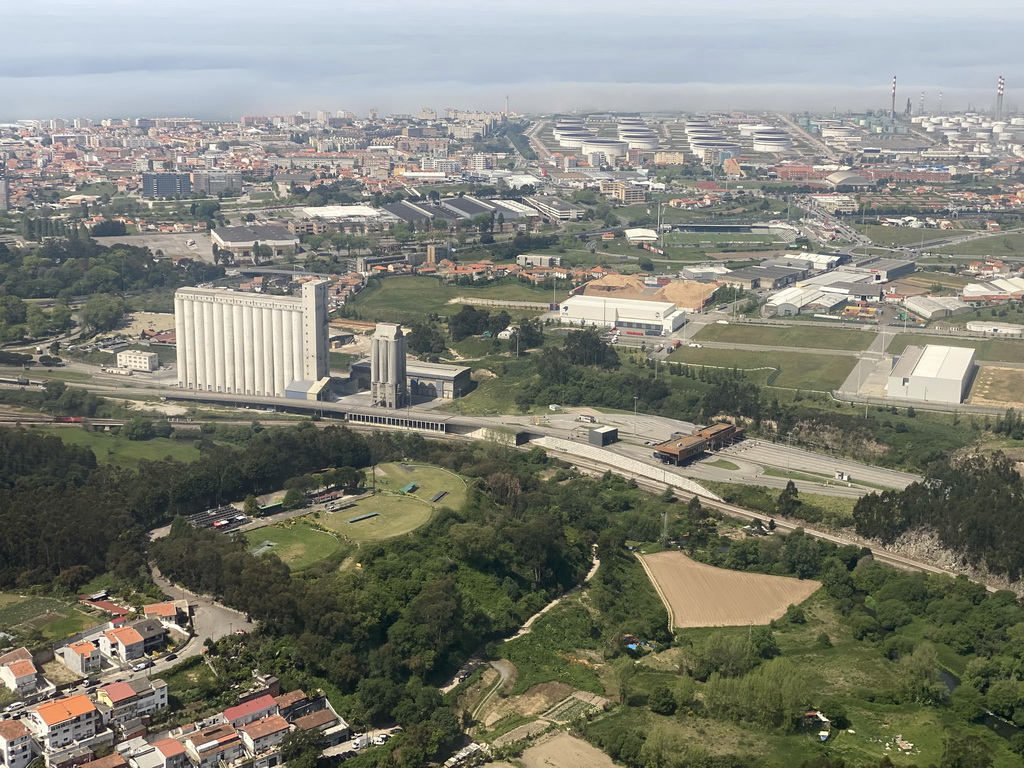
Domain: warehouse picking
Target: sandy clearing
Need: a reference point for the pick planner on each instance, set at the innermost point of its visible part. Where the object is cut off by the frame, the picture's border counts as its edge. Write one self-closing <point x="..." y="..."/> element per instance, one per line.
<point x="699" y="595"/>
<point x="565" y="751"/>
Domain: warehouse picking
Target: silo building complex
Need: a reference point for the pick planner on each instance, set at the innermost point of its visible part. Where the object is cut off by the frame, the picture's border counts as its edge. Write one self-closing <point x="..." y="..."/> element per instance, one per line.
<point x="251" y="344"/>
<point x="388" y="384"/>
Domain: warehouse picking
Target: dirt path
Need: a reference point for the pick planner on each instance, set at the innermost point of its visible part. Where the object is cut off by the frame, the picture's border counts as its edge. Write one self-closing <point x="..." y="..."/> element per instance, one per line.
<point x="506" y="672"/>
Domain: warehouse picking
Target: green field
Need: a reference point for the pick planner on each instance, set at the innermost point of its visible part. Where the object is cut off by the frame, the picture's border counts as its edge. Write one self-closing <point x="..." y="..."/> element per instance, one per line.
<point x="56" y="619"/>
<point x="992" y="350"/>
<point x="898" y="235"/>
<point x="397" y="513"/>
<point x="123" y="452"/>
<point x="718" y="238"/>
<point x="797" y="370"/>
<point x="793" y="336"/>
<point x="849" y="671"/>
<point x="408" y="298"/>
<point x="297" y="544"/>
<point x="1015" y="316"/>
<point x="1002" y="245"/>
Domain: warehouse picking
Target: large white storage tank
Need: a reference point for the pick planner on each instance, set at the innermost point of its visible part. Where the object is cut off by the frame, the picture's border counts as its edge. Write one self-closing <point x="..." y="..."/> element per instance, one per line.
<point x="612" y="149"/>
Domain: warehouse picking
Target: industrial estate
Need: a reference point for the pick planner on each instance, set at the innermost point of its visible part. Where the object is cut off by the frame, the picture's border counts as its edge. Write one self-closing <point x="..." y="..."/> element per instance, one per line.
<point x="655" y="396"/>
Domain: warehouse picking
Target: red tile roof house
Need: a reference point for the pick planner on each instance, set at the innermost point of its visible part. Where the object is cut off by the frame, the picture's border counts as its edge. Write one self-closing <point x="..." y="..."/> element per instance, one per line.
<point x="264" y="735"/>
<point x="250" y="711"/>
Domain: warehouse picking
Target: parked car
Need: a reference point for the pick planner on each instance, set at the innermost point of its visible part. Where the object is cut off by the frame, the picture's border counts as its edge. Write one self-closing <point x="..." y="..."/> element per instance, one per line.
<point x="170" y="657"/>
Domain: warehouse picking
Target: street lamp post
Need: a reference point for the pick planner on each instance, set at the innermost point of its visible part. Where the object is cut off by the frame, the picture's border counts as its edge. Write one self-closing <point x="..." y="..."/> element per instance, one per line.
<point x="635" y="398"/>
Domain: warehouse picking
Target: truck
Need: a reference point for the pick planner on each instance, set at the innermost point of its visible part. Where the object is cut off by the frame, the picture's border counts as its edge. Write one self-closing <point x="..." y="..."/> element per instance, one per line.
<point x="361" y="742"/>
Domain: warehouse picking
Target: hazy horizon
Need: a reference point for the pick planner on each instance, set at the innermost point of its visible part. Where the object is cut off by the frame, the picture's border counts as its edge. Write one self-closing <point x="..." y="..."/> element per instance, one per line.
<point x="225" y="58"/>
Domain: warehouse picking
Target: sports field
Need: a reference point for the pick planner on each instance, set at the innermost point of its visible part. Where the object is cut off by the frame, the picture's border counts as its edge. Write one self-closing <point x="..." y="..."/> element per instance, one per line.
<point x="699" y="595"/>
<point x="792" y="336"/>
<point x="297" y="544"/>
<point x="56" y="619"/>
<point x="393" y="511"/>
<point x="797" y="370"/>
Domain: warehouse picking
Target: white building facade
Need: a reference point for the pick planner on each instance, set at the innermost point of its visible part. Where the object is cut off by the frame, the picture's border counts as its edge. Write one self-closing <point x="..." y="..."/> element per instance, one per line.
<point x="134" y="360"/>
<point x="251" y="344"/>
<point x="635" y="317"/>
<point x="932" y="373"/>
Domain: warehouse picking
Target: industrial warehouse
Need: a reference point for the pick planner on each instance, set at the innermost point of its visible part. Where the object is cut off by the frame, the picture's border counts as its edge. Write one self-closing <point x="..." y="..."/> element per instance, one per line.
<point x="932" y="374"/>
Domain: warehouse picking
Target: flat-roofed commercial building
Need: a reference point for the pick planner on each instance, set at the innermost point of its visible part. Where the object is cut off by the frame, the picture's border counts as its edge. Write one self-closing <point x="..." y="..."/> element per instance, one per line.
<point x="251" y="344"/>
<point x="932" y="373"/>
<point x="635" y="317"/>
<point x="135" y="360"/>
<point x="241" y="241"/>
<point x="555" y="207"/>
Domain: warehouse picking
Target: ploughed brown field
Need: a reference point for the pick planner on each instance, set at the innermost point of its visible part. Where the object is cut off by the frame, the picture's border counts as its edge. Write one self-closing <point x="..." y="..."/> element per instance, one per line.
<point x="699" y="595"/>
<point x="565" y="751"/>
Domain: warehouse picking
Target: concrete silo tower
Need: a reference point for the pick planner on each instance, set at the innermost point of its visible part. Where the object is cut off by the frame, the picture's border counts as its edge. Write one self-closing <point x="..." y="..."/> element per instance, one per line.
<point x="387" y="366"/>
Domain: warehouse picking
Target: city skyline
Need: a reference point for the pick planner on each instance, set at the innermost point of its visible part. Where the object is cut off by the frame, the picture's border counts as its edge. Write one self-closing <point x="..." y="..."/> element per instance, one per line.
<point x="225" y="59"/>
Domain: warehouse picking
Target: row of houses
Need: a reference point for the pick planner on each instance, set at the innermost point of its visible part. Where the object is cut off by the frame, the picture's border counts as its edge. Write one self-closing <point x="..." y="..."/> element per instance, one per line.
<point x="71" y="731"/>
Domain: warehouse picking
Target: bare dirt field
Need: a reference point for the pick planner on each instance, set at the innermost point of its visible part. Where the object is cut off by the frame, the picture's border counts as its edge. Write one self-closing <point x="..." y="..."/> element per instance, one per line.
<point x="565" y="751"/>
<point x="995" y="385"/>
<point x="699" y="595"/>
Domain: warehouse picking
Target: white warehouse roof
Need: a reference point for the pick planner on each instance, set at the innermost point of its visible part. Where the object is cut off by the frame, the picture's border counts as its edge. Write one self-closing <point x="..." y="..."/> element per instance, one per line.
<point x="944" y="362"/>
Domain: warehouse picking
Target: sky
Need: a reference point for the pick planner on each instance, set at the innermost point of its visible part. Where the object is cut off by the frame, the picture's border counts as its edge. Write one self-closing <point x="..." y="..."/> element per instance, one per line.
<point x="225" y="58"/>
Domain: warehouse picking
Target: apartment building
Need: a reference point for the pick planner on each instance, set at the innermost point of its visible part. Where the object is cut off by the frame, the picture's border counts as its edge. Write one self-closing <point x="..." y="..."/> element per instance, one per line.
<point x="82" y="657"/>
<point x="17" y="747"/>
<point x="213" y="746"/>
<point x="122" y="645"/>
<point x="57" y="724"/>
<point x="261" y="739"/>
<point x="251" y="711"/>
<point x="120" y="702"/>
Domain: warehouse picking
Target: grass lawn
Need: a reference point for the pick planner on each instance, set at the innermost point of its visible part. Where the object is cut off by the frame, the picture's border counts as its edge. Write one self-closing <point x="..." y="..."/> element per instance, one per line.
<point x="723" y="464"/>
<point x="123" y="452"/>
<point x="412" y="298"/>
<point x="297" y="544"/>
<point x="1014" y="316"/>
<point x="898" y="235"/>
<point x="397" y="513"/>
<point x="994" y="350"/>
<point x="1003" y="246"/>
<point x="793" y="336"/>
<point x="797" y="370"/>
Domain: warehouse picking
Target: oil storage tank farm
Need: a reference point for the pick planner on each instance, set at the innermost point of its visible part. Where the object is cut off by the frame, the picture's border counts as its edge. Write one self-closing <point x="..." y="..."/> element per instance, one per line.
<point x="612" y="149"/>
<point x="637" y="135"/>
<point x="770" y="139"/>
<point x="571" y="134"/>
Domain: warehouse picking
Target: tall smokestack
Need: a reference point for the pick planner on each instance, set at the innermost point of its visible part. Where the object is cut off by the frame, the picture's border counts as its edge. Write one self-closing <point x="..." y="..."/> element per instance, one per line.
<point x="920" y="110"/>
<point x="999" y="98"/>
<point x="940" y="102"/>
<point x="893" y="97"/>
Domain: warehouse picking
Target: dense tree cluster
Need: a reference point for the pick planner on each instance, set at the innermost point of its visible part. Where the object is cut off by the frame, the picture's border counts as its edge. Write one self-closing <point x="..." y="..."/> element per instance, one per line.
<point x="470" y="321"/>
<point x="66" y="518"/>
<point x="68" y="267"/>
<point x="974" y="505"/>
